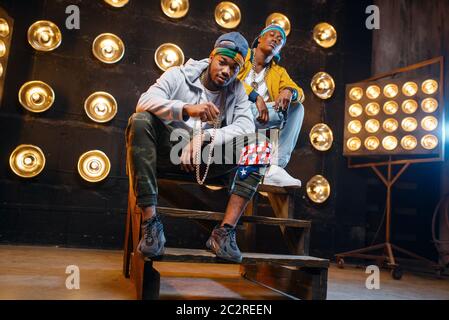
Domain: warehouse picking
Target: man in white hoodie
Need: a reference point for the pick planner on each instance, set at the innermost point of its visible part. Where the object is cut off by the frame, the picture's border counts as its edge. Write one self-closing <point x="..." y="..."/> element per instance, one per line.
<point x="205" y="90"/>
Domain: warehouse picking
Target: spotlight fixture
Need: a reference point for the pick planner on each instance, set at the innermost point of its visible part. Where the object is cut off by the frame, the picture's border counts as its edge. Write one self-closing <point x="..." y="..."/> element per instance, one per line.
<point x="4" y="28"/>
<point x="168" y="55"/>
<point x="227" y="15"/>
<point x="108" y="48"/>
<point x="94" y="166"/>
<point x="325" y="35"/>
<point x="175" y="8"/>
<point x="401" y="117"/>
<point x="318" y="189"/>
<point x="117" y="3"/>
<point x="36" y="96"/>
<point x="280" y="20"/>
<point x="322" y="85"/>
<point x="321" y="137"/>
<point x="44" y="35"/>
<point x="27" y="161"/>
<point x="100" y="107"/>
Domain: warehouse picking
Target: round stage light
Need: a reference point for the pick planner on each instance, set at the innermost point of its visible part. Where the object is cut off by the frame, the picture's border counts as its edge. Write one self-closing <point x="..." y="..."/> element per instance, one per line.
<point x="372" y="125"/>
<point x="354" y="143"/>
<point x="409" y="124"/>
<point x="429" y="123"/>
<point x="227" y="15"/>
<point x="429" y="142"/>
<point x="325" y="35"/>
<point x="36" y="96"/>
<point x="321" y="137"/>
<point x="391" y="107"/>
<point x="371" y="143"/>
<point x="94" y="166"/>
<point x="322" y="85"/>
<point x="390" y="143"/>
<point x="175" y="8"/>
<point x="1" y="69"/>
<point x="429" y="105"/>
<point x="168" y="55"/>
<point x="373" y="92"/>
<point x="409" y="106"/>
<point x="390" y="125"/>
<point x="280" y="20"/>
<point x="409" y="89"/>
<point x="44" y="35"/>
<point x="356" y="93"/>
<point x="117" y="3"/>
<point x="372" y="109"/>
<point x="27" y="161"/>
<point x="2" y="48"/>
<point x="354" y="126"/>
<point x="429" y="86"/>
<point x="409" y="142"/>
<point x="318" y="189"/>
<point x="4" y="28"/>
<point x="355" y="110"/>
<point x="391" y="90"/>
<point x="100" y="107"/>
<point x="108" y="48"/>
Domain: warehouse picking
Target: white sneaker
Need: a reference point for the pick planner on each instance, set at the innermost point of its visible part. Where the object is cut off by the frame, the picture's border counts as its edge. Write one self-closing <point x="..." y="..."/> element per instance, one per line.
<point x="277" y="176"/>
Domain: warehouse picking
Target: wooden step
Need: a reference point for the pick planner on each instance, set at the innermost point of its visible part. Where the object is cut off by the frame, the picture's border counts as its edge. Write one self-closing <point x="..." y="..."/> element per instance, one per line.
<point x="204" y="256"/>
<point x="218" y="216"/>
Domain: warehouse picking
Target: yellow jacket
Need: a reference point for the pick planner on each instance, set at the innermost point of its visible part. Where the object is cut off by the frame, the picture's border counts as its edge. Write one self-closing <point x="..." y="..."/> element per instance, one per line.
<point x="277" y="79"/>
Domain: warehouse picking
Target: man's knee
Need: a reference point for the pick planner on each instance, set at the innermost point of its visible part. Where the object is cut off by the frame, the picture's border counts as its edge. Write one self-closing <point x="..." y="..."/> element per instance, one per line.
<point x="141" y="121"/>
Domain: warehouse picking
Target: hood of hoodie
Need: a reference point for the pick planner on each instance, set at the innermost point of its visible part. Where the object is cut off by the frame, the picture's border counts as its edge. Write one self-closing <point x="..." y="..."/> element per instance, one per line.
<point x="192" y="70"/>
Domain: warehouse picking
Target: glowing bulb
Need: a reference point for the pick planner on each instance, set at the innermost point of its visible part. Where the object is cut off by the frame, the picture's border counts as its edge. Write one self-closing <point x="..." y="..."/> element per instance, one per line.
<point x="373" y="92"/>
<point x="429" y="123"/>
<point x="371" y="143"/>
<point x="429" y="142"/>
<point x="391" y="90"/>
<point x="354" y="144"/>
<point x="391" y="107"/>
<point x="409" y="124"/>
<point x="390" y="143"/>
<point x="429" y="86"/>
<point x="429" y="105"/>
<point x="356" y="93"/>
<point x="409" y="142"/>
<point x="409" y="106"/>
<point x="390" y="125"/>
<point x="372" y="109"/>
<point x="409" y="89"/>
<point x="354" y="126"/>
<point x="355" y="110"/>
<point x="372" y="125"/>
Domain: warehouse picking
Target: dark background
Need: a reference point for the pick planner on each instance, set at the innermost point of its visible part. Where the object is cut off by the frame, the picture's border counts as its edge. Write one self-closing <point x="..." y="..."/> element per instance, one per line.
<point x="59" y="208"/>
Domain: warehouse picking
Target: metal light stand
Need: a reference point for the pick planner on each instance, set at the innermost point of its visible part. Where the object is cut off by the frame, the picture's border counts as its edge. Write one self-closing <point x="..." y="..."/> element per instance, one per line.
<point x="389" y="248"/>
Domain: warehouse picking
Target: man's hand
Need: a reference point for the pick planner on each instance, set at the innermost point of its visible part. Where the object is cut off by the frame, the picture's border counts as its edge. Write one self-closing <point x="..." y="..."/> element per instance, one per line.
<point x="263" y="110"/>
<point x="283" y="100"/>
<point x="188" y="152"/>
<point x="205" y="111"/>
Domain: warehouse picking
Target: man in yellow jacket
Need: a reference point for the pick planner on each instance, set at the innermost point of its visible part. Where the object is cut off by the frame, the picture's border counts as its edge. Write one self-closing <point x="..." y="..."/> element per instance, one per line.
<point x="277" y="99"/>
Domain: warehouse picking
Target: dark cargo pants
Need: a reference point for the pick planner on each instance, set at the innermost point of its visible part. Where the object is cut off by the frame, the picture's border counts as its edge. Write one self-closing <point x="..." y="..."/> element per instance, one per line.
<point x="148" y="153"/>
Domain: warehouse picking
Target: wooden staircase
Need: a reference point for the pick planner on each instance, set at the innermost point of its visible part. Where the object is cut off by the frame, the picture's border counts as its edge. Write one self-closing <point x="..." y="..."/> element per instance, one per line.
<point x="297" y="276"/>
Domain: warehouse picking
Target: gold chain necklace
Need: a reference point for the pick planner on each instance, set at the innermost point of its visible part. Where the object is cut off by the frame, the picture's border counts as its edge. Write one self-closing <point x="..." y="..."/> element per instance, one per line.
<point x="197" y="137"/>
<point x="255" y="84"/>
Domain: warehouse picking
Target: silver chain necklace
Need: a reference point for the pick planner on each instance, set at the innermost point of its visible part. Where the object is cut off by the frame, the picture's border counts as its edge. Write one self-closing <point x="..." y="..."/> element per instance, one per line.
<point x="197" y="137"/>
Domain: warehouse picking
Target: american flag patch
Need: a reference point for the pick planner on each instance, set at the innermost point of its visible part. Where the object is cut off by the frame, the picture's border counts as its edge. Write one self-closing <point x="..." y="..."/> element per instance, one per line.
<point x="256" y="154"/>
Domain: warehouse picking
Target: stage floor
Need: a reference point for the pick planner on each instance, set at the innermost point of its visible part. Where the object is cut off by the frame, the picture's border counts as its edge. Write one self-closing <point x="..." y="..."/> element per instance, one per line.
<point x="29" y="272"/>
